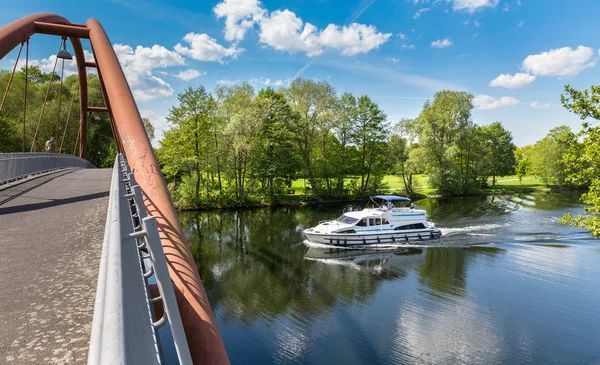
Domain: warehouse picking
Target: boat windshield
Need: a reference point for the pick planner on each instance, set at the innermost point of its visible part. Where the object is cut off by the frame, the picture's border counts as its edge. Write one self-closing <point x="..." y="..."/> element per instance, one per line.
<point x="347" y="220"/>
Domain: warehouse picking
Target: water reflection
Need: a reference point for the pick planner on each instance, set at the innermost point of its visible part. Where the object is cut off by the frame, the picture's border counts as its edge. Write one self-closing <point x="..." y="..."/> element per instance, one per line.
<point x="278" y="301"/>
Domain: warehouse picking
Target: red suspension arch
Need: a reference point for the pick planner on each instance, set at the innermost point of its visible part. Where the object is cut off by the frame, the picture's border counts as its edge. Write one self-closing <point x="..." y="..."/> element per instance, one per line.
<point x="17" y="32"/>
<point x="204" y="340"/>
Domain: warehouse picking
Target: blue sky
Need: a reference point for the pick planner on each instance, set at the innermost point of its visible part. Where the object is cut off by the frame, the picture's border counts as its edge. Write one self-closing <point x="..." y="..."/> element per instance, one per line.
<point x="514" y="56"/>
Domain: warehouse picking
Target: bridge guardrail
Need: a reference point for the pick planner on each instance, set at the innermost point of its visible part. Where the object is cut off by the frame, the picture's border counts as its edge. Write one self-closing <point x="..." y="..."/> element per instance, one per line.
<point x="125" y="327"/>
<point x="16" y="166"/>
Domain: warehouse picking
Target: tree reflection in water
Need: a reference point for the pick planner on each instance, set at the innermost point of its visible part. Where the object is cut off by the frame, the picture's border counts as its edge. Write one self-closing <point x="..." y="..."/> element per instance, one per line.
<point x="255" y="267"/>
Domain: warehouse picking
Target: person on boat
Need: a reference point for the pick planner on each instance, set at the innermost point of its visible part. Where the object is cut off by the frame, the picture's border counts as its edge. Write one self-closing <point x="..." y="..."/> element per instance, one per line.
<point x="412" y="205"/>
<point x="390" y="205"/>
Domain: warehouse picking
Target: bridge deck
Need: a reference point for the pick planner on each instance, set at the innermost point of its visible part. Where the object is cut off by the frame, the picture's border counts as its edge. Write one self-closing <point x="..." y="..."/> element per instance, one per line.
<point x="50" y="246"/>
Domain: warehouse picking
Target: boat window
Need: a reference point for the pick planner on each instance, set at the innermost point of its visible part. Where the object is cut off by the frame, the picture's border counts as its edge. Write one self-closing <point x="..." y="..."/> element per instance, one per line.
<point x="362" y="222"/>
<point x="347" y="220"/>
<point x="410" y="226"/>
<point x="378" y="221"/>
<point x="384" y="221"/>
<point x="371" y="221"/>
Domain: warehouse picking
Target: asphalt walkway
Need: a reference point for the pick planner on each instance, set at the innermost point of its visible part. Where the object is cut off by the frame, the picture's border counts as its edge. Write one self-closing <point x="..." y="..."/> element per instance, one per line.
<point x="50" y="244"/>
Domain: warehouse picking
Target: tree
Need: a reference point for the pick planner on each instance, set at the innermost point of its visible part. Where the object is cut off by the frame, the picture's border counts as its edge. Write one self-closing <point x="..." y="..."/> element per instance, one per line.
<point x="368" y="134"/>
<point x="149" y="128"/>
<point x="243" y="120"/>
<point x="444" y="129"/>
<point x="398" y="152"/>
<point x="582" y="160"/>
<point x="310" y="100"/>
<point x="523" y="155"/>
<point x="185" y="145"/>
<point x="276" y="157"/>
<point x="547" y="156"/>
<point x="499" y="155"/>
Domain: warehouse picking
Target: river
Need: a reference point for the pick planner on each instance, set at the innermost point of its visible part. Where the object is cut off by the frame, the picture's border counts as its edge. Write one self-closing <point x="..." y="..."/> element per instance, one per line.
<point x="508" y="285"/>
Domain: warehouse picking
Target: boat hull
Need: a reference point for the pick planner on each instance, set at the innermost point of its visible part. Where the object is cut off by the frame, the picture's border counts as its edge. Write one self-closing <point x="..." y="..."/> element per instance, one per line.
<point x="375" y="238"/>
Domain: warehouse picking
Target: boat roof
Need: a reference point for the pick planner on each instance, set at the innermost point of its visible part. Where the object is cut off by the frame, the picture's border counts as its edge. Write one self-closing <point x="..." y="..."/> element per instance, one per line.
<point x="391" y="198"/>
<point x="364" y="214"/>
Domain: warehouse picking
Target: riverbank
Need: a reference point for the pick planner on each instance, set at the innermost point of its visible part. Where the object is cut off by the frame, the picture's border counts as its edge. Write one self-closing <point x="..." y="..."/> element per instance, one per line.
<point x="292" y="200"/>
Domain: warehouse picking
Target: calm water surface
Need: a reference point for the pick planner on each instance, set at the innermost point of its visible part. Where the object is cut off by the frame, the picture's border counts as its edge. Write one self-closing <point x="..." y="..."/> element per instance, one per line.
<point x="509" y="285"/>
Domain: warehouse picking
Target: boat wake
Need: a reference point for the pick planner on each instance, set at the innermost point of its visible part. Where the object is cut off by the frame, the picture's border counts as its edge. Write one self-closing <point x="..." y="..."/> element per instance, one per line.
<point x="470" y="229"/>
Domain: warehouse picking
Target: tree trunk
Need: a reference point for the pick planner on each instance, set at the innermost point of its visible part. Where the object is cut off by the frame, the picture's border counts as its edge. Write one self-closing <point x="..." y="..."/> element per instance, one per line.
<point x="235" y="176"/>
<point x="218" y="162"/>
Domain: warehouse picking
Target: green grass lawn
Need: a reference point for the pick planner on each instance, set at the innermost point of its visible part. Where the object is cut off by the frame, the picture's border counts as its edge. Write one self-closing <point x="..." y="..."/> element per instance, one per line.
<point x="420" y="183"/>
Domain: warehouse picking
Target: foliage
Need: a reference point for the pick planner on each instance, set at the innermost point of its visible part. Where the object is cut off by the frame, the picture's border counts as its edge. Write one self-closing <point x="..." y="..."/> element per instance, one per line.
<point x="547" y="156"/>
<point x="59" y="120"/>
<point x="498" y="151"/>
<point x="149" y="128"/>
<point x="582" y="156"/>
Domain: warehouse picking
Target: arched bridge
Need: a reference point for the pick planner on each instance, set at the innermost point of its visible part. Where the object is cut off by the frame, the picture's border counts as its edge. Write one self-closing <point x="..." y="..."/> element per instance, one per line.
<point x="95" y="265"/>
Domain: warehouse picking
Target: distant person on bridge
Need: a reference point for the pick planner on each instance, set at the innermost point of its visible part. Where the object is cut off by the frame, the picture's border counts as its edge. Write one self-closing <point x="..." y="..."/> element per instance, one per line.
<point x="49" y="144"/>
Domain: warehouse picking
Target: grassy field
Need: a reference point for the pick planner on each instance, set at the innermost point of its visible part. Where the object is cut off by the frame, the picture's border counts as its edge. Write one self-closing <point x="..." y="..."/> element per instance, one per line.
<point x="420" y="182"/>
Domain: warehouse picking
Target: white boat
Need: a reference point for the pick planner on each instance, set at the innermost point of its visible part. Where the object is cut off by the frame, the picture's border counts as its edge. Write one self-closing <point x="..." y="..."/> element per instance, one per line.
<point x="392" y="220"/>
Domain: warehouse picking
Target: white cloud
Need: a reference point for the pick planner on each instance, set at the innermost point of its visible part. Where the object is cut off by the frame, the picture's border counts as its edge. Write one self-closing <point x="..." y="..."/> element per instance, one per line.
<point x="472" y="6"/>
<point x="506" y="7"/>
<point x="520" y="24"/>
<point x="476" y="23"/>
<point x="204" y="48"/>
<point x="402" y="36"/>
<point x="393" y="60"/>
<point x="144" y="58"/>
<point x="537" y="105"/>
<point x="138" y="65"/>
<point x="409" y="46"/>
<point x="284" y="31"/>
<point x="259" y="81"/>
<point x="47" y="64"/>
<point x="353" y="39"/>
<point x="512" y="81"/>
<point x="189" y="74"/>
<point x="489" y="102"/>
<point x="240" y="15"/>
<point x="228" y="82"/>
<point x="441" y="43"/>
<point x="419" y="12"/>
<point x="560" y="62"/>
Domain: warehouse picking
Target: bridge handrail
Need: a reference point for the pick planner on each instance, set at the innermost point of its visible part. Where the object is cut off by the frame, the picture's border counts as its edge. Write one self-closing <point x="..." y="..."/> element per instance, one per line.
<point x="15" y="166"/>
<point x="125" y="328"/>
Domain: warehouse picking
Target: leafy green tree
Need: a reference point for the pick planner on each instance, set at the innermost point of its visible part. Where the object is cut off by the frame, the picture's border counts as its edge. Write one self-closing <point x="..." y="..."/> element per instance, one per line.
<point x="369" y="134"/>
<point x="398" y="154"/>
<point x="243" y="121"/>
<point x="444" y="129"/>
<point x="274" y="144"/>
<point x="311" y="101"/>
<point x="149" y="128"/>
<point x="499" y="150"/>
<point x="523" y="155"/>
<point x="547" y="156"/>
<point x="582" y="160"/>
<point x="184" y="147"/>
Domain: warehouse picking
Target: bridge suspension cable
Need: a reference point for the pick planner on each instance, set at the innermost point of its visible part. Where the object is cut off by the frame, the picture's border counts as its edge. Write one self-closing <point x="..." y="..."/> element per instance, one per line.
<point x="69" y="113"/>
<point x="25" y="95"/>
<point x="11" y="78"/>
<point x="62" y="75"/>
<point x="45" y="99"/>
